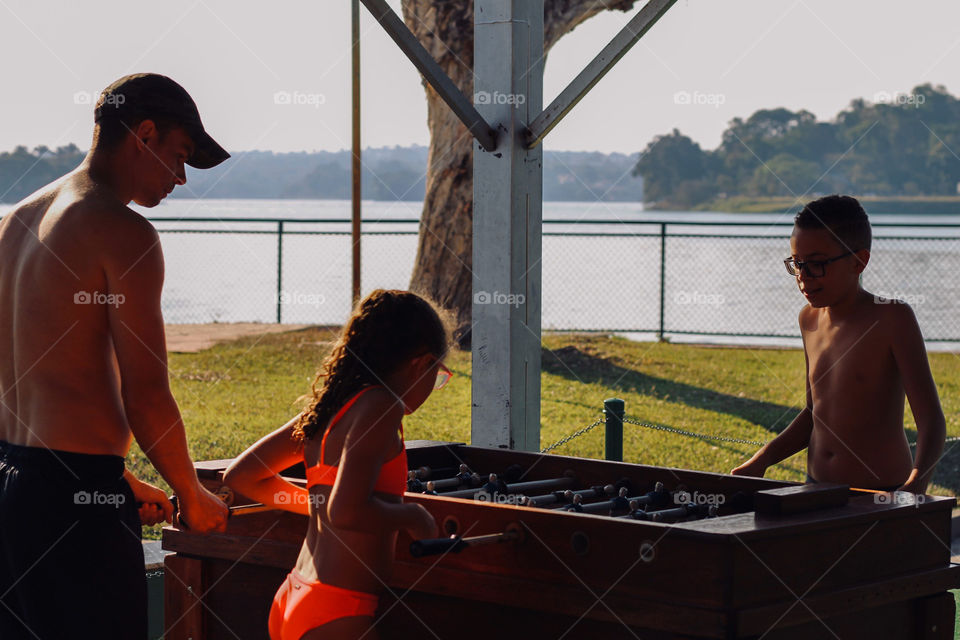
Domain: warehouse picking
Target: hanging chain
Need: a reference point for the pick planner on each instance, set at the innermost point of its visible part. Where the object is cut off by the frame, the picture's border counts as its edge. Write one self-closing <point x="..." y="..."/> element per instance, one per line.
<point x="681" y="432"/>
<point x="576" y="434"/>
<point x="702" y="436"/>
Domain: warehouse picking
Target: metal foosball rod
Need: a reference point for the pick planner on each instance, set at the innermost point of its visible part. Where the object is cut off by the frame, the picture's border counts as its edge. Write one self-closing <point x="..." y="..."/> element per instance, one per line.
<point x="456" y="544"/>
<point x="416" y="479"/>
<point x="656" y="499"/>
<point x="520" y="487"/>
<point x="689" y="510"/>
<point x="566" y="497"/>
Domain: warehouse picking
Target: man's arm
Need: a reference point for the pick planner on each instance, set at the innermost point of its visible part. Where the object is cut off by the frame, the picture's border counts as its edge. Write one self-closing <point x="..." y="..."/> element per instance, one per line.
<point x="914" y="367"/>
<point x="133" y="267"/>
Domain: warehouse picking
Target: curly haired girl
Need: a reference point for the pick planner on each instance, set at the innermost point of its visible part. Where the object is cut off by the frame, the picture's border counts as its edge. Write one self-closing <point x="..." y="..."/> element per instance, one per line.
<point x="386" y="363"/>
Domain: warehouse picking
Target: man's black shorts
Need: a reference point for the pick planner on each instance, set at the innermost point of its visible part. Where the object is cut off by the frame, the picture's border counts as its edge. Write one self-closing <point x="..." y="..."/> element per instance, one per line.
<point x="71" y="559"/>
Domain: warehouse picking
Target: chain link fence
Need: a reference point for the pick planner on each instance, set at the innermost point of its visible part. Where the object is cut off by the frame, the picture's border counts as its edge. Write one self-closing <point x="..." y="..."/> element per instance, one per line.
<point x="663" y="278"/>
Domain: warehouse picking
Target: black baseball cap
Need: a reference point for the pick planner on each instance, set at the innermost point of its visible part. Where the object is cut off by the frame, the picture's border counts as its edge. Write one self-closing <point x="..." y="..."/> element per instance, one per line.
<point x="151" y="95"/>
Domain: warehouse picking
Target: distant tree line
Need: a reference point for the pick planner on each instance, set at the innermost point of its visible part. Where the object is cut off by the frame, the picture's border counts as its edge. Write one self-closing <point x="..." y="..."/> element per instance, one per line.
<point x="389" y="173"/>
<point x="901" y="145"/>
<point x="22" y="171"/>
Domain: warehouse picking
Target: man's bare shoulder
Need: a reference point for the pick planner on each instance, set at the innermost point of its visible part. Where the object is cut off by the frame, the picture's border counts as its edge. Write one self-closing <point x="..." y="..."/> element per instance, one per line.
<point x="106" y="223"/>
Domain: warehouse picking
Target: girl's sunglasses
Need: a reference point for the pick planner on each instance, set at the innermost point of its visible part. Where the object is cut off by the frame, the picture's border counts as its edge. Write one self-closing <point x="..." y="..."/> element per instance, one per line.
<point x="443" y="377"/>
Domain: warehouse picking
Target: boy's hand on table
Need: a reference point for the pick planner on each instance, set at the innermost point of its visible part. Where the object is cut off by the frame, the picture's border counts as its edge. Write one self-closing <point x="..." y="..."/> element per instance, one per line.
<point x="750" y="468"/>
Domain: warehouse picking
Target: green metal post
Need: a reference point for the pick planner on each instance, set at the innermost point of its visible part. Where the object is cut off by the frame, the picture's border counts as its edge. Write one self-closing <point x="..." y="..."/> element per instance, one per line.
<point x="663" y="274"/>
<point x="613" y="409"/>
<point x="279" y="270"/>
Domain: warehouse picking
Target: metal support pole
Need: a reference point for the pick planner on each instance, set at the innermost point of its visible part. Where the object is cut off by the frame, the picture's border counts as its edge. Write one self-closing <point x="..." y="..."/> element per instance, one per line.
<point x="356" y="194"/>
<point x="279" y="270"/>
<point x="663" y="274"/>
<point x="507" y="219"/>
<point x="613" y="409"/>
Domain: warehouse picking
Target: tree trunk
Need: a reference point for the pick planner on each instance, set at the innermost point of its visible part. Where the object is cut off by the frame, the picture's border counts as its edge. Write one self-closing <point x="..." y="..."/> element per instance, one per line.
<point x="444" y="252"/>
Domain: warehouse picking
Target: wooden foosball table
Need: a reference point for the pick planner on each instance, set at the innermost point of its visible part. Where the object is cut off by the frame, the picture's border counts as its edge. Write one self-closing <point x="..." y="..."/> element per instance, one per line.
<point x="561" y="547"/>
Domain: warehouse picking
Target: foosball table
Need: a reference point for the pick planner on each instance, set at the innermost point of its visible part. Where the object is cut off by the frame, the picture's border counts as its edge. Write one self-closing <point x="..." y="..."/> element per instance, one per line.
<point x="547" y="546"/>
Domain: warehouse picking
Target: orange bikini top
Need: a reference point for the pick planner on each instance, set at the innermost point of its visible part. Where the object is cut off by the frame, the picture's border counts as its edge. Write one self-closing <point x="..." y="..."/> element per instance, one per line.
<point x="393" y="473"/>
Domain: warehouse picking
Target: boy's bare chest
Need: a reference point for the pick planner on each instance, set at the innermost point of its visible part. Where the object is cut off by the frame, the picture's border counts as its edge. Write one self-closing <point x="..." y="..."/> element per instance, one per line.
<point x="845" y="356"/>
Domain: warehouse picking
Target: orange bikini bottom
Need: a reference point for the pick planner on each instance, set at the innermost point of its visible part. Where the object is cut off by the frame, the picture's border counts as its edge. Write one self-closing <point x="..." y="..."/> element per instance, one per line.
<point x="301" y="605"/>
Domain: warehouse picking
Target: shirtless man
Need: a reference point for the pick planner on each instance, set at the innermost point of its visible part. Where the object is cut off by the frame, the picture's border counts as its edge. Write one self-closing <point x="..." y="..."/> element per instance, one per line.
<point x="83" y="370"/>
<point x="864" y="354"/>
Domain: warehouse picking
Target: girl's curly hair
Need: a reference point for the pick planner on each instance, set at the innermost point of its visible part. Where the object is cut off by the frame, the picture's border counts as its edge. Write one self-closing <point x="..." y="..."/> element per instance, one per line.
<point x="387" y="329"/>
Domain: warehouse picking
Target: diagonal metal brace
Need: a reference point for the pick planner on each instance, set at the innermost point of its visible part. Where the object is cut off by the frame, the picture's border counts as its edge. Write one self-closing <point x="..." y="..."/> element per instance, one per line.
<point x="598" y="67"/>
<point x="440" y="81"/>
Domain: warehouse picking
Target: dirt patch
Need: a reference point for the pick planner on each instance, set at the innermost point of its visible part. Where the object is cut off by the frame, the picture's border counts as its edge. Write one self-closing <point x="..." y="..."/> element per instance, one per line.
<point x="190" y="338"/>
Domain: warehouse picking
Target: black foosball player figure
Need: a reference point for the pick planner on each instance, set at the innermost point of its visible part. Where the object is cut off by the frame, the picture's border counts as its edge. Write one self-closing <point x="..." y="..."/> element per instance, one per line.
<point x="492" y="488"/>
<point x="619" y="502"/>
<point x="430" y="491"/>
<point x="576" y="505"/>
<point x="465" y="476"/>
<point x="414" y="484"/>
<point x="636" y="512"/>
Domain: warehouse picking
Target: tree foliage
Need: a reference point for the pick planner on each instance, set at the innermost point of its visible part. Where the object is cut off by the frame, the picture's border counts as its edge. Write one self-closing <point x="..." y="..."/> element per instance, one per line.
<point x="902" y="145"/>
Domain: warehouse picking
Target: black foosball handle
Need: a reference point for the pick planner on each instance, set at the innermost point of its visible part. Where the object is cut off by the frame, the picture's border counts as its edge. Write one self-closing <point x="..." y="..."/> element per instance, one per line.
<point x="435" y="546"/>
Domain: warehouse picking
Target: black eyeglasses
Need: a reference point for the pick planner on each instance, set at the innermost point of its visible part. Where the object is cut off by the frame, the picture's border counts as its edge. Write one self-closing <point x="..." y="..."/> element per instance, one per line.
<point x="813" y="268"/>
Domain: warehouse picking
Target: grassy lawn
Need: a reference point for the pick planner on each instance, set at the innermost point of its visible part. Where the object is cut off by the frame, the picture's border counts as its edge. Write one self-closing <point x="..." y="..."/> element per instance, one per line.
<point x="232" y="394"/>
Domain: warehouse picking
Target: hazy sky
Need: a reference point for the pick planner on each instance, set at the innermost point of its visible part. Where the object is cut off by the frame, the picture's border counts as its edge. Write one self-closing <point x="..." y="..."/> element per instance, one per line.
<point x="731" y="57"/>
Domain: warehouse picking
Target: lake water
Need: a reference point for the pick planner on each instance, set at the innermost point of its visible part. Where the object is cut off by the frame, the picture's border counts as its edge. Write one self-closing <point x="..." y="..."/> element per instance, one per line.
<point x="601" y="266"/>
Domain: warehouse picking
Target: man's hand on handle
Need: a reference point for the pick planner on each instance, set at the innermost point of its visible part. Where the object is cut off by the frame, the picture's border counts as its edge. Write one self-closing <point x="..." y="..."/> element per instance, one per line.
<point x="202" y="511"/>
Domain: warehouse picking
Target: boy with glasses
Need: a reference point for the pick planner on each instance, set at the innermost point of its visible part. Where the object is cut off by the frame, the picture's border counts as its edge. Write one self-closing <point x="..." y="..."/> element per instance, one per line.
<point x="864" y="354"/>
